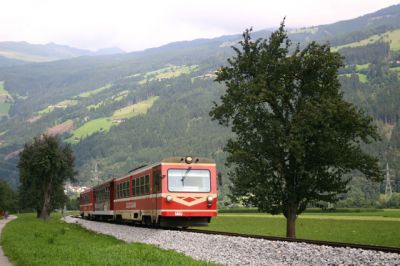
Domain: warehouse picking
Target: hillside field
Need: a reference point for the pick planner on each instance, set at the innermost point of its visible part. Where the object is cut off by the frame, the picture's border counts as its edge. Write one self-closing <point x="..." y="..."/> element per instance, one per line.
<point x="393" y="37"/>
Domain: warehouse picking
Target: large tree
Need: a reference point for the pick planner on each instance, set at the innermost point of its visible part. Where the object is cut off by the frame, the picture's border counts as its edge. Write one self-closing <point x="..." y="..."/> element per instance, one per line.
<point x="295" y="137"/>
<point x="45" y="165"/>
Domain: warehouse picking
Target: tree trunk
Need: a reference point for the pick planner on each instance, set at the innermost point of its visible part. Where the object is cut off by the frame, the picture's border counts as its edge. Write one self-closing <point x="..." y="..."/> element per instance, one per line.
<point x="46" y="203"/>
<point x="291" y="222"/>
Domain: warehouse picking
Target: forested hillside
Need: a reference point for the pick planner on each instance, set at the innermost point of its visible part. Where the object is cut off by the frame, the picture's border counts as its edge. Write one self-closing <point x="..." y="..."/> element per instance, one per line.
<point x="123" y="110"/>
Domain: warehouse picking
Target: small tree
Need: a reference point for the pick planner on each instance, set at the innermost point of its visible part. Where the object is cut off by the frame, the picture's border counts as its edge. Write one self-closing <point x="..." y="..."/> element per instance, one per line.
<point x="8" y="198"/>
<point x="44" y="166"/>
<point x="296" y="137"/>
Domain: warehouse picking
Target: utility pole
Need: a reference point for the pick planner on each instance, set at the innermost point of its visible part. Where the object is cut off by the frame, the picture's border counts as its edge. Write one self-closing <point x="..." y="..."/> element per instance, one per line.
<point x="96" y="174"/>
<point x="388" y="188"/>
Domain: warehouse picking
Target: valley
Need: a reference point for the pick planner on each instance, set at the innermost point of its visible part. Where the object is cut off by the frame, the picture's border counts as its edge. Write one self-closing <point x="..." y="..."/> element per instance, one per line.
<point x="123" y="110"/>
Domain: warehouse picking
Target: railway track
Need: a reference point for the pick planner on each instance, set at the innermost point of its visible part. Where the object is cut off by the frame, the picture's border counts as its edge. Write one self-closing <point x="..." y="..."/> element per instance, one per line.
<point x="285" y="239"/>
<point x="307" y="241"/>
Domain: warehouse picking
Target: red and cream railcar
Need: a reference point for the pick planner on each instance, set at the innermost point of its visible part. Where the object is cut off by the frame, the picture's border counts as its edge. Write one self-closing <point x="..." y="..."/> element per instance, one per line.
<point x="179" y="191"/>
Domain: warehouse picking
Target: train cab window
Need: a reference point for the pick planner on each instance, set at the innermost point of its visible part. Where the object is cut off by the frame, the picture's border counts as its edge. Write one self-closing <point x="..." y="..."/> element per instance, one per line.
<point x="189" y="180"/>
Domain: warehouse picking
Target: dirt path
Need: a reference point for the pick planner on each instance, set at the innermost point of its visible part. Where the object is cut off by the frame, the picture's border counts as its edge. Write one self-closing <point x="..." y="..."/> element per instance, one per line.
<point x="3" y="259"/>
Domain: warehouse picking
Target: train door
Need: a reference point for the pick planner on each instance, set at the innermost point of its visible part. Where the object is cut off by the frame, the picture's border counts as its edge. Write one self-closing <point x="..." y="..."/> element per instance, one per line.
<point x="156" y="178"/>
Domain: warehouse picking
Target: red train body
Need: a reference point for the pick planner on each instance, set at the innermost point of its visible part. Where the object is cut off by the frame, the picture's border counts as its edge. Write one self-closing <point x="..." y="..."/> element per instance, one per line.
<point x="179" y="191"/>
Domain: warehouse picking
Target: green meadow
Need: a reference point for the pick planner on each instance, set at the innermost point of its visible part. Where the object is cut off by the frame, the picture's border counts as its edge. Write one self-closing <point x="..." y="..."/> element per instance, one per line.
<point x="5" y="99"/>
<point x="60" y="105"/>
<point x="369" y="227"/>
<point x="89" y="128"/>
<point x="135" y="109"/>
<point x="168" y="73"/>
<point x="30" y="241"/>
<point x="104" y="124"/>
<point x="362" y="77"/>
<point x="95" y="91"/>
<point x="392" y="37"/>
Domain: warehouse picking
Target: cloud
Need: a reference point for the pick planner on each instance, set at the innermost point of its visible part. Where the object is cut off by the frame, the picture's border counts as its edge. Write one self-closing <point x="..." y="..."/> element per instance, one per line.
<point x="136" y="25"/>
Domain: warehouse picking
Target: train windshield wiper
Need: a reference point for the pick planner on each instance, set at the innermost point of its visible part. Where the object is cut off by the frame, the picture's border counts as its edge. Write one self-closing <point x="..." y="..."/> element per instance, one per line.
<point x="184" y="176"/>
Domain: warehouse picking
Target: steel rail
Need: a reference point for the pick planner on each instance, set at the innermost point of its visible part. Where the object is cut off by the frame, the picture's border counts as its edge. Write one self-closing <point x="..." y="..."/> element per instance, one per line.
<point x="299" y="240"/>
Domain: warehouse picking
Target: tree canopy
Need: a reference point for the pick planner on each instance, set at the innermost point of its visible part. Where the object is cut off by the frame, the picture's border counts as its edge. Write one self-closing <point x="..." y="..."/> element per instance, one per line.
<point x="296" y="138"/>
<point x="44" y="166"/>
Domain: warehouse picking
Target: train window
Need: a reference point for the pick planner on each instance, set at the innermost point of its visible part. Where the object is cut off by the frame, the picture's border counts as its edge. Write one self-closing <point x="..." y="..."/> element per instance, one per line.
<point x="189" y="180"/>
<point x="137" y="186"/>
<point x="133" y="187"/>
<point x="142" y="185"/>
<point x="147" y="184"/>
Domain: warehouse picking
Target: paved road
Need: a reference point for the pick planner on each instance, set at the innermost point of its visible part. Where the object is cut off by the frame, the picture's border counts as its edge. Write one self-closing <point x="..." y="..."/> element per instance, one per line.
<point x="3" y="259"/>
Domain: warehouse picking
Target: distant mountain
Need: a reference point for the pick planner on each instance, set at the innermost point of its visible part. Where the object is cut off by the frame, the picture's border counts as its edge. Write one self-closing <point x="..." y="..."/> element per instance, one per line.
<point x="27" y="52"/>
<point x="109" y="51"/>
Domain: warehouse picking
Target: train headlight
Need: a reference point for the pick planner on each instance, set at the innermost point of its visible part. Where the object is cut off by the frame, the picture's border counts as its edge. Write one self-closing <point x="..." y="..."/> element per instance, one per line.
<point x="169" y="198"/>
<point x="209" y="199"/>
<point x="188" y="160"/>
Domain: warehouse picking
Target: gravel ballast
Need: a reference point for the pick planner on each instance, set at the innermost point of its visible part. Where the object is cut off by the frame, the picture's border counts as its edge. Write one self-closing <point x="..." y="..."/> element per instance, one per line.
<point x="230" y="250"/>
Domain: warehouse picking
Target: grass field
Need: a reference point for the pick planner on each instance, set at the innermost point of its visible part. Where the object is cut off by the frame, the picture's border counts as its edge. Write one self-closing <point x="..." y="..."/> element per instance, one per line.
<point x="105" y="123"/>
<point x="95" y="91"/>
<point x="96" y="125"/>
<point x="367" y="227"/>
<point x="115" y="98"/>
<point x="362" y="67"/>
<point x="362" y="77"/>
<point x="393" y="37"/>
<point x="135" y="109"/>
<point x="168" y="72"/>
<point x="5" y="99"/>
<point x="29" y="241"/>
<point x="4" y="108"/>
<point x="60" y="105"/>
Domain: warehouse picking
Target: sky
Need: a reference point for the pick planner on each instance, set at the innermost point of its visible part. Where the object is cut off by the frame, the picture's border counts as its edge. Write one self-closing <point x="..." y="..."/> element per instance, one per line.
<point x="136" y="25"/>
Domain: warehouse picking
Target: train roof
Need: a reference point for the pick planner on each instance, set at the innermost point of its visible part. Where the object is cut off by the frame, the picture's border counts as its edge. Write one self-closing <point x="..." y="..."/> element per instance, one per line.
<point x="169" y="160"/>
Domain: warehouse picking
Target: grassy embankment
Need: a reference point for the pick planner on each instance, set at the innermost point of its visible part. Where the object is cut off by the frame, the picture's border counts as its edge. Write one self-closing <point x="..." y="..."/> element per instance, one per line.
<point x="377" y="227"/>
<point x="30" y="241"/>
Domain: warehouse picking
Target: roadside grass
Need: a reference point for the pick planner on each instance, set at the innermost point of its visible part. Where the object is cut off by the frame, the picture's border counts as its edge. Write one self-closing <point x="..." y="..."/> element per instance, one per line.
<point x="392" y="37"/>
<point x="352" y="227"/>
<point x="30" y="241"/>
<point x="95" y="91"/>
<point x="135" y="109"/>
<point x="96" y="125"/>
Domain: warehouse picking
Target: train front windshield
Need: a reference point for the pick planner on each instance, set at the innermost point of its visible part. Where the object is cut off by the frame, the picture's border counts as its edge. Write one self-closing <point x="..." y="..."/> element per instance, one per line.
<point x="189" y="180"/>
